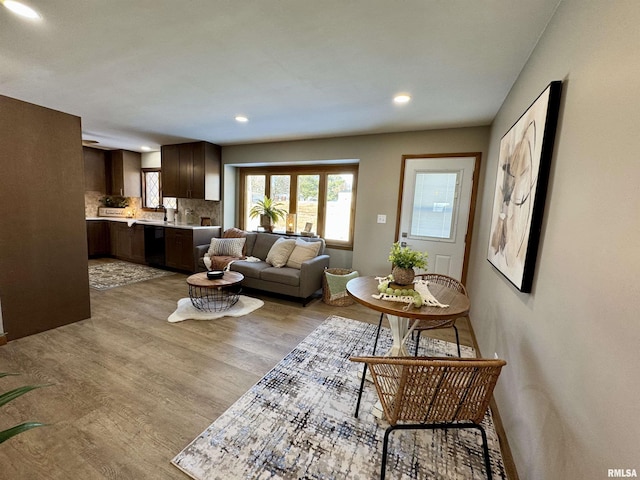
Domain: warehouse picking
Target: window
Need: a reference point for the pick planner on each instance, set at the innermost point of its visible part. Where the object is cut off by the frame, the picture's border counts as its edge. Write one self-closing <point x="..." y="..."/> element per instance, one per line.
<point x="152" y="190"/>
<point x="323" y="196"/>
<point x="434" y="205"/>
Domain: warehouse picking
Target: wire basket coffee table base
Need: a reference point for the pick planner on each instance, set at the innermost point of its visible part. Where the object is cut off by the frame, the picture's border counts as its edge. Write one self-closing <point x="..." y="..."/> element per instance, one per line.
<point x="208" y="299"/>
<point x="214" y="295"/>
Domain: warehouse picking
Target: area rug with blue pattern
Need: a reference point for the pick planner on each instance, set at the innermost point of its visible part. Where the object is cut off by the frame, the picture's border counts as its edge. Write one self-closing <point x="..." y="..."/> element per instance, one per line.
<point x="297" y="422"/>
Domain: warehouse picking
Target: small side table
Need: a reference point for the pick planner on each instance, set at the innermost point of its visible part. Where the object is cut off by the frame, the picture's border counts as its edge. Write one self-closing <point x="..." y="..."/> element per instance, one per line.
<point x="214" y="295"/>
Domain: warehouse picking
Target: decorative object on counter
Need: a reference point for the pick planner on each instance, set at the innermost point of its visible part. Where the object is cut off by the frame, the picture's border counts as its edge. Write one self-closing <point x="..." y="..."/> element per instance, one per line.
<point x="262" y="436"/>
<point x="116" y="274"/>
<point x="291" y="223"/>
<point x="188" y="216"/>
<point x="112" y="212"/>
<point x="171" y="214"/>
<point x="205" y="221"/>
<point x="115" y="201"/>
<point x="269" y="213"/>
<point x="404" y="259"/>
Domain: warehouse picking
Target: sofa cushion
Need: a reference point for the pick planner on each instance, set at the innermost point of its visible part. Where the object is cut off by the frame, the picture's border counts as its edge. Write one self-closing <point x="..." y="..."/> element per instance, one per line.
<point x="280" y="251"/>
<point x="264" y="242"/>
<point x="249" y="269"/>
<point x="228" y="247"/>
<point x="302" y="252"/>
<point x="286" y="276"/>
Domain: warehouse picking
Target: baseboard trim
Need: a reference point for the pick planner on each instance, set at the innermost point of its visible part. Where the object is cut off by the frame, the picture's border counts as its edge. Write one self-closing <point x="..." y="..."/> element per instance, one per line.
<point x="507" y="457"/>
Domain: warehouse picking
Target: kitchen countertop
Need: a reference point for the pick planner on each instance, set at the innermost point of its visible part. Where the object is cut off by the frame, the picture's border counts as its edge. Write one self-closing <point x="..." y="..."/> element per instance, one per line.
<point x="155" y="223"/>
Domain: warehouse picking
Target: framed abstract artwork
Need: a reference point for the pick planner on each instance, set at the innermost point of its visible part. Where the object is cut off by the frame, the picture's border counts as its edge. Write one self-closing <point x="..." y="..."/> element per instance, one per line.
<point x="521" y="187"/>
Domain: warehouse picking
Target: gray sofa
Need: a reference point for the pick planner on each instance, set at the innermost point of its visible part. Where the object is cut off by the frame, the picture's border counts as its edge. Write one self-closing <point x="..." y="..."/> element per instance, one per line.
<point x="301" y="283"/>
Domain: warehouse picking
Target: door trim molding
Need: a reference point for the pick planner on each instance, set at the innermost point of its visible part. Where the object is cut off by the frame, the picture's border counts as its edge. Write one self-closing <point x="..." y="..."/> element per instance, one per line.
<point x="472" y="206"/>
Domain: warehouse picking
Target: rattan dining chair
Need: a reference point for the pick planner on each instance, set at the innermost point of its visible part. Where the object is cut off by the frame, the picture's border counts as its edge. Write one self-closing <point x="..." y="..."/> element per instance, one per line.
<point x="423" y="325"/>
<point x="431" y="393"/>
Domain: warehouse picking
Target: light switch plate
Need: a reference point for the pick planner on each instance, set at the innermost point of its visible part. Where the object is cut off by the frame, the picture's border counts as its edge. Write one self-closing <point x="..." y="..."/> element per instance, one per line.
<point x="382" y="218"/>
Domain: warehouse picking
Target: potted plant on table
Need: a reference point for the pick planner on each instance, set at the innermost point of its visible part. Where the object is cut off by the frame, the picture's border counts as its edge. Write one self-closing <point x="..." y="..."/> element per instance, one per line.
<point x="268" y="211"/>
<point x="404" y="260"/>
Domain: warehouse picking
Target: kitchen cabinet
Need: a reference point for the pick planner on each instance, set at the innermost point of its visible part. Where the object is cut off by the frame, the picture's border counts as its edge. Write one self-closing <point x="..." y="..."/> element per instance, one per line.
<point x="127" y="243"/>
<point x="191" y="170"/>
<point x="178" y="251"/>
<point x="98" y="238"/>
<point x="180" y="244"/>
<point x="123" y="173"/>
<point x="95" y="170"/>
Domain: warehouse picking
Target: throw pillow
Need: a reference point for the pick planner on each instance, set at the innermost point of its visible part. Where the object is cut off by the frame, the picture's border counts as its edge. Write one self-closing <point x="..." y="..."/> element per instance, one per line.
<point x="230" y="247"/>
<point x="302" y="252"/>
<point x="236" y="233"/>
<point x="280" y="251"/>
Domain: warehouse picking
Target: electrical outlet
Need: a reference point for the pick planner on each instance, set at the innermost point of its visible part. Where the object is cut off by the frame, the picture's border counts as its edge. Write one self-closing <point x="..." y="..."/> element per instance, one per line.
<point x="382" y="218"/>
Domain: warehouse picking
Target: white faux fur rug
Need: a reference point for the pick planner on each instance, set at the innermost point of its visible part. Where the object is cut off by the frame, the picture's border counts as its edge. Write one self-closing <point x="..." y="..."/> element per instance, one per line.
<point x="186" y="311"/>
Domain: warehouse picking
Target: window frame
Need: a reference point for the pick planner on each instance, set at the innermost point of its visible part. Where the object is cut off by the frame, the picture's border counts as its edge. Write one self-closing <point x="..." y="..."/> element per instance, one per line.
<point x="143" y="180"/>
<point x="294" y="170"/>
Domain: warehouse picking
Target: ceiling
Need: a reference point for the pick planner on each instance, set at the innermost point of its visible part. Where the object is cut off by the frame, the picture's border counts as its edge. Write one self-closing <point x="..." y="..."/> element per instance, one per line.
<point x="154" y="72"/>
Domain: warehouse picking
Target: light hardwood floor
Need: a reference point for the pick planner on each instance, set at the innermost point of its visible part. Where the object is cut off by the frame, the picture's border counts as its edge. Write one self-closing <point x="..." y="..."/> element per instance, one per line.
<point x="130" y="390"/>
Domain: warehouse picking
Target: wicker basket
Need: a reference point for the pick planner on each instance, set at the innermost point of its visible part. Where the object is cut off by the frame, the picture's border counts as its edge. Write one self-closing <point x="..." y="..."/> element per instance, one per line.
<point x="326" y="295"/>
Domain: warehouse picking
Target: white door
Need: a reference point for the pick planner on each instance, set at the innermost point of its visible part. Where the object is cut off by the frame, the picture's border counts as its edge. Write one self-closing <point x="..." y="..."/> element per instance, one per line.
<point x="435" y="208"/>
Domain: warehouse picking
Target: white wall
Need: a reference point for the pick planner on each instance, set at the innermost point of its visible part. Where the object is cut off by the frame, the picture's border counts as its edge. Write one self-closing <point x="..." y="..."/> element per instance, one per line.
<point x="150" y="160"/>
<point x="380" y="159"/>
<point x="570" y="394"/>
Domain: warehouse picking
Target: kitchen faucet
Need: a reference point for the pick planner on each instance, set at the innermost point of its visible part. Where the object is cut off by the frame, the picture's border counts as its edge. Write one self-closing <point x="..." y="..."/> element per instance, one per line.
<point x="164" y="209"/>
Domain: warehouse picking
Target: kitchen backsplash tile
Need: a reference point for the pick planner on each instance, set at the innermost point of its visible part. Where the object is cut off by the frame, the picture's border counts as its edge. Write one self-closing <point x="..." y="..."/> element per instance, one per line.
<point x="197" y="209"/>
<point x="200" y="208"/>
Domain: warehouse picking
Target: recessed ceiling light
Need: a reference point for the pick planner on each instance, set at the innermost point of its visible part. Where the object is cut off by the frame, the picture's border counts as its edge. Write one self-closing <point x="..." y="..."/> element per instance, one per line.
<point x="241" y="119"/>
<point x="21" y="9"/>
<point x="402" y="98"/>
<point x="145" y="148"/>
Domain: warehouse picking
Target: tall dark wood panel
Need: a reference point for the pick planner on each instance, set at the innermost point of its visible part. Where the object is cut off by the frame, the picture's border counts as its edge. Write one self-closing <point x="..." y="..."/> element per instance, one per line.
<point x="44" y="280"/>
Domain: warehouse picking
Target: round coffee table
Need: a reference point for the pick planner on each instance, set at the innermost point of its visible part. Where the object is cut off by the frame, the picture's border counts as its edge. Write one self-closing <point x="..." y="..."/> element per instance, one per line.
<point x="214" y="295"/>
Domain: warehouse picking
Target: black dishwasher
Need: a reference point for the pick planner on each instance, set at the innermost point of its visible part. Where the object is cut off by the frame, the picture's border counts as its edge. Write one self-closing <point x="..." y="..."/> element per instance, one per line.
<point x="154" y="245"/>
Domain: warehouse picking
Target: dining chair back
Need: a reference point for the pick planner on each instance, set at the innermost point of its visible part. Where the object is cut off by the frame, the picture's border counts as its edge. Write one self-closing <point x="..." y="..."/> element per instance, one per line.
<point x="423" y="325"/>
<point x="431" y="393"/>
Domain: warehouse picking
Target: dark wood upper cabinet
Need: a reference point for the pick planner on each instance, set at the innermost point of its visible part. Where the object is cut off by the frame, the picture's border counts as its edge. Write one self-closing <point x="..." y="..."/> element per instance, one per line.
<point x="123" y="173"/>
<point x="191" y="170"/>
<point x="170" y="170"/>
<point x="95" y="179"/>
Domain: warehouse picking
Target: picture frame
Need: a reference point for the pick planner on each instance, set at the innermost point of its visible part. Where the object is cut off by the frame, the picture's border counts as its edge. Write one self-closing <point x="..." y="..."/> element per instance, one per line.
<point x="521" y="186"/>
<point x="307" y="227"/>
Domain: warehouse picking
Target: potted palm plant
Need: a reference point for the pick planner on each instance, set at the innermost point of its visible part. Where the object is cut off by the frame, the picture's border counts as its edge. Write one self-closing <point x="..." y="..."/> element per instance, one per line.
<point x="404" y="260"/>
<point x="11" y="395"/>
<point x="268" y="211"/>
